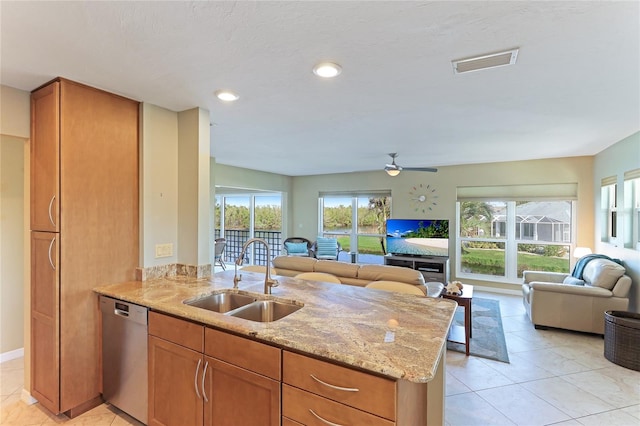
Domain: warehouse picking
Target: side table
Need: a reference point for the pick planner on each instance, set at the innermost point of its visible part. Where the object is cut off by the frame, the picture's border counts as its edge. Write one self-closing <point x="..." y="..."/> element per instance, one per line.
<point x="464" y="300"/>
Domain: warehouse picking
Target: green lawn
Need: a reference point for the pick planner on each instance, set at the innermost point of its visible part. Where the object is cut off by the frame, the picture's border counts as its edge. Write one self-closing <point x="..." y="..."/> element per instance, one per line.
<point x="492" y="262"/>
<point x="368" y="245"/>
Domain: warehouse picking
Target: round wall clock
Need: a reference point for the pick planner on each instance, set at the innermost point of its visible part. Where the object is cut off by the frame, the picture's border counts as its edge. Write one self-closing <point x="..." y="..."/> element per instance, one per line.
<point x="423" y="197"/>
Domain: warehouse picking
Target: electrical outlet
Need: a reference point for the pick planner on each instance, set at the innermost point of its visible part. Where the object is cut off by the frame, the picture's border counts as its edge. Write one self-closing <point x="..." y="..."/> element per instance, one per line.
<point x="164" y="250"/>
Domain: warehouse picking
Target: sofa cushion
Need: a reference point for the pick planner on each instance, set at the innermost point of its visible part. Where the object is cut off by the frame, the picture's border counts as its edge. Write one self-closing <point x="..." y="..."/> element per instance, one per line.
<point x="573" y="281"/>
<point x="302" y="264"/>
<point x="340" y="269"/>
<point x="390" y="273"/>
<point x="602" y="273"/>
<point x="296" y="248"/>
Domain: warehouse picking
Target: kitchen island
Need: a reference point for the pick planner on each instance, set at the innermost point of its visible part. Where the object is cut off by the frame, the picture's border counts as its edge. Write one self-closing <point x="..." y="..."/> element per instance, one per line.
<point x="397" y="337"/>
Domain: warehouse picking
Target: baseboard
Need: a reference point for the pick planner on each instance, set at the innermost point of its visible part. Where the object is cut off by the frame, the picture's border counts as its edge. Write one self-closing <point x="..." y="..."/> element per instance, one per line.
<point x="513" y="292"/>
<point x="27" y="398"/>
<point x="8" y="356"/>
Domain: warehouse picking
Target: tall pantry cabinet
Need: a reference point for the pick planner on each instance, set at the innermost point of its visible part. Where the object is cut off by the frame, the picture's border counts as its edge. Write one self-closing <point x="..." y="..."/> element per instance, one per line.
<point x="84" y="232"/>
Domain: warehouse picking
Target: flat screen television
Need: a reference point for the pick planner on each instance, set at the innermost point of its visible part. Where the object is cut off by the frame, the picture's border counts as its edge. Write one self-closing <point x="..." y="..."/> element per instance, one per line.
<point x="418" y="237"/>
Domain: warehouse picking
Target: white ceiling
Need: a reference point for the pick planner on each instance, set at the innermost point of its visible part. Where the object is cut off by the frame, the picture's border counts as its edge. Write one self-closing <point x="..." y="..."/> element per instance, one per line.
<point x="574" y="90"/>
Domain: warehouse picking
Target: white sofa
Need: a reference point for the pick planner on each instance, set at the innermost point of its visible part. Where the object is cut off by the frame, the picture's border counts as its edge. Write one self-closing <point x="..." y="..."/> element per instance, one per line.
<point x="353" y="273"/>
<point x="552" y="301"/>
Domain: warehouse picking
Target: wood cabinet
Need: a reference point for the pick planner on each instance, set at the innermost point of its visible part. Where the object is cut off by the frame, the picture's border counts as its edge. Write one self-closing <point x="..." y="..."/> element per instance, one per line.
<point x="199" y="376"/>
<point x="84" y="198"/>
<point x="316" y="391"/>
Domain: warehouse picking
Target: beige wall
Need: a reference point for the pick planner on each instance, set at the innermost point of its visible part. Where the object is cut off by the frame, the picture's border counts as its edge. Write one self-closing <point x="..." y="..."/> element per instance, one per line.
<point x="15" y="112"/>
<point x="158" y="183"/>
<point x="615" y="161"/>
<point x="12" y="248"/>
<point x="193" y="187"/>
<point x="445" y="182"/>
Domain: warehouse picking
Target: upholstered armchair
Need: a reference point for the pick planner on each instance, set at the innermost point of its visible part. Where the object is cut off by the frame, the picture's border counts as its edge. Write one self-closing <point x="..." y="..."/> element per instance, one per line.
<point x="559" y="300"/>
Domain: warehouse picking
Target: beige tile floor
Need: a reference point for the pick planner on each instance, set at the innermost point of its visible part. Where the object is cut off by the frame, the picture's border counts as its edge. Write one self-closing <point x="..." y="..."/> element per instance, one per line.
<point x="555" y="377"/>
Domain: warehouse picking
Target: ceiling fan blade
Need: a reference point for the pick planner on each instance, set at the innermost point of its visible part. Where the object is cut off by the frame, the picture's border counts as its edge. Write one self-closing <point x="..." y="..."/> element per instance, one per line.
<point x="421" y="169"/>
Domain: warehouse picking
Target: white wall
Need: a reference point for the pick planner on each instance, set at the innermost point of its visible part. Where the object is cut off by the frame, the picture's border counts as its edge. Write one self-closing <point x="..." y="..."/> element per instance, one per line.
<point x="614" y="161"/>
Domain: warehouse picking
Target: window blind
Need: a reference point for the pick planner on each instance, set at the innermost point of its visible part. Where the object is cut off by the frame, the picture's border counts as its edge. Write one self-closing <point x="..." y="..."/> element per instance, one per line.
<point x="557" y="191"/>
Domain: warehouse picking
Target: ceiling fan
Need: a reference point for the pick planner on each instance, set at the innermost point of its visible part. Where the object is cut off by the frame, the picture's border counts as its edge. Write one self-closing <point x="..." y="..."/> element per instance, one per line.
<point x="394" y="170"/>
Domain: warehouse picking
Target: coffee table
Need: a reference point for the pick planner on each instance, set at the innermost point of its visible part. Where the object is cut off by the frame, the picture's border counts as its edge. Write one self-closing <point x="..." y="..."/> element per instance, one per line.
<point x="462" y="334"/>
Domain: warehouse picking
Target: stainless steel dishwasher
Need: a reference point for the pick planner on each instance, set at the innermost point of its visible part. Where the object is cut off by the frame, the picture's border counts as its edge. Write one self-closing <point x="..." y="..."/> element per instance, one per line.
<point x="124" y="356"/>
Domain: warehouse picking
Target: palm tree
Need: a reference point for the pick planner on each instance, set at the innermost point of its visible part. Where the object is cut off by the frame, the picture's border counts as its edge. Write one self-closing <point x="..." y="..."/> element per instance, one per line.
<point x="382" y="210"/>
<point x="474" y="215"/>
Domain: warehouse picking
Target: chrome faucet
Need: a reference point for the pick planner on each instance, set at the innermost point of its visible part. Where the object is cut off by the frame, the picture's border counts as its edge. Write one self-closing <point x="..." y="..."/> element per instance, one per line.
<point x="268" y="281"/>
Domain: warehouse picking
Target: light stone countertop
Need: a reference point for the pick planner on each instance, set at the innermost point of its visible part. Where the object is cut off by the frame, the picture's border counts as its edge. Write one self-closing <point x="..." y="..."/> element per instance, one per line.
<point x="343" y="323"/>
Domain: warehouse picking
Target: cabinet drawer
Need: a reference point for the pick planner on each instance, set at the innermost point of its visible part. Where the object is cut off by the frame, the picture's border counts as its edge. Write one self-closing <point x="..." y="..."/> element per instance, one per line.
<point x="301" y="406"/>
<point x="249" y="354"/>
<point x="288" y="422"/>
<point x="374" y="394"/>
<point x="181" y="332"/>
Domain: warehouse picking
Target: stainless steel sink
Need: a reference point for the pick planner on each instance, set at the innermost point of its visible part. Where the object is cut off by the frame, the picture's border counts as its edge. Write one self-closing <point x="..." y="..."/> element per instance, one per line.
<point x="265" y="311"/>
<point x="222" y="302"/>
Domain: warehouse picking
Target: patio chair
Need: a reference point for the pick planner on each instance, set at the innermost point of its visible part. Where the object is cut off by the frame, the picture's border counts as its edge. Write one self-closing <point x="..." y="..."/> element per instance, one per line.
<point x="218" y="253"/>
<point x="326" y="248"/>
<point x="297" y="246"/>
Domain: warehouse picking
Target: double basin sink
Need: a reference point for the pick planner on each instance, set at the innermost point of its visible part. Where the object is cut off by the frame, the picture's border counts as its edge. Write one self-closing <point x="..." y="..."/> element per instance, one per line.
<point x="248" y="306"/>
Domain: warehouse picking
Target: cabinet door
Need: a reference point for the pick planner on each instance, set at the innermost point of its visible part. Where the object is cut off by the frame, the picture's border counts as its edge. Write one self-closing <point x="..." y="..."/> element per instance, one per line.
<point x="175" y="372"/>
<point x="45" y="151"/>
<point x="239" y="397"/>
<point x="45" y="337"/>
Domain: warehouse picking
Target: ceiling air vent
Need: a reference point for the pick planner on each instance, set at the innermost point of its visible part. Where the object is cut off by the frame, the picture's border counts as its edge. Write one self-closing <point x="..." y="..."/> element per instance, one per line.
<point x="485" y="61"/>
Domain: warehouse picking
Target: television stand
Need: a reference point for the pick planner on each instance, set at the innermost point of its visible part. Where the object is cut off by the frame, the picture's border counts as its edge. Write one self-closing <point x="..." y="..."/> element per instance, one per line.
<point x="432" y="268"/>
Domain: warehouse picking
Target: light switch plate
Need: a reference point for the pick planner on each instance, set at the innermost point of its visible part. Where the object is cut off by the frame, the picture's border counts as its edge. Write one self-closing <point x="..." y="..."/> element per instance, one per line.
<point x="164" y="250"/>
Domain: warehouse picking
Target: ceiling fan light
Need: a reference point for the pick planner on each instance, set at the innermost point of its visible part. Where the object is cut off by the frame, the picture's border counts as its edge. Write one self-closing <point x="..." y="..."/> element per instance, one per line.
<point x="392" y="172"/>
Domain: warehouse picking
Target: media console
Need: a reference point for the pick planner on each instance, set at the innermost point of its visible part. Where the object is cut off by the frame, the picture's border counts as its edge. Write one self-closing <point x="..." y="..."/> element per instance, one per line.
<point x="433" y="268"/>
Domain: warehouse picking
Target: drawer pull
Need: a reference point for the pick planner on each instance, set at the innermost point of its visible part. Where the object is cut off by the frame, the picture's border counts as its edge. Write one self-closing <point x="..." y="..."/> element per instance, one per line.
<point x="204" y="374"/>
<point x="333" y="386"/>
<point x="50" y="214"/>
<point x="195" y="379"/>
<point x="323" y="420"/>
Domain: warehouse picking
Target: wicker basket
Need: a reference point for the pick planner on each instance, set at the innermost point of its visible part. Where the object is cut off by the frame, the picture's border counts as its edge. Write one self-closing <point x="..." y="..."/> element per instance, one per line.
<point x="622" y="338"/>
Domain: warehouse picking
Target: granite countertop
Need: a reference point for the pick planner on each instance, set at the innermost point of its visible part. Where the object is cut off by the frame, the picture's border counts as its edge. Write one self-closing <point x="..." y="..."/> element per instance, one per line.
<point x="338" y="322"/>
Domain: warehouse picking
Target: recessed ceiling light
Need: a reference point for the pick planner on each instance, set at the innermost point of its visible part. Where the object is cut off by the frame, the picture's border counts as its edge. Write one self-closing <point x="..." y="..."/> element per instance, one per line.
<point x="485" y="61"/>
<point x="327" y="69"/>
<point x="226" y="95"/>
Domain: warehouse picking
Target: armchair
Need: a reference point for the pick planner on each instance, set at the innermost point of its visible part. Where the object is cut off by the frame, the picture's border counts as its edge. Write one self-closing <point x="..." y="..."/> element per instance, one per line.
<point x="559" y="300"/>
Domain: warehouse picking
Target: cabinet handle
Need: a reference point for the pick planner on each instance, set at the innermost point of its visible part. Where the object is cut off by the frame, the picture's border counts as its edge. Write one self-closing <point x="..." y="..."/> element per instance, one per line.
<point x="334" y="386"/>
<point x="323" y="420"/>
<point x="50" y="214"/>
<point x="195" y="379"/>
<point x="204" y="374"/>
<point x="53" y="240"/>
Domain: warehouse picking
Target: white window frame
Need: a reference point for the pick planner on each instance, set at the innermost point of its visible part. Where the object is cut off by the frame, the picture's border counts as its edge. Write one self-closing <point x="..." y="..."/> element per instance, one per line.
<point x="510" y="243"/>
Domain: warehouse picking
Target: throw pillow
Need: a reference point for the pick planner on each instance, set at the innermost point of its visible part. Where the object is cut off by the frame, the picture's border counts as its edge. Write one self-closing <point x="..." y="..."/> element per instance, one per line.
<point x="602" y="273"/>
<point x="326" y="247"/>
<point x="296" y="248"/>
<point x="573" y="281"/>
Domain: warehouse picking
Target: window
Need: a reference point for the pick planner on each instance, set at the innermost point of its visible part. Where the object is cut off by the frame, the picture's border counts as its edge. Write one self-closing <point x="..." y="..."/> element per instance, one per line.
<point x="631" y="213"/>
<point x="499" y="238"/>
<point x="609" y="210"/>
<point x="239" y="217"/>
<point x="358" y="222"/>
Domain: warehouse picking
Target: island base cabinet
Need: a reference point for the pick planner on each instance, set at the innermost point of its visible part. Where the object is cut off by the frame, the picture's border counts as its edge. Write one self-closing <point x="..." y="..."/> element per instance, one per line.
<point x="310" y="409"/>
<point x="239" y="397"/>
<point x="173" y="376"/>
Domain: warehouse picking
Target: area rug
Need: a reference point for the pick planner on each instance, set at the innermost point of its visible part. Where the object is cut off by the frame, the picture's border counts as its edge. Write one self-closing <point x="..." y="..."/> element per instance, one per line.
<point x="487" y="339"/>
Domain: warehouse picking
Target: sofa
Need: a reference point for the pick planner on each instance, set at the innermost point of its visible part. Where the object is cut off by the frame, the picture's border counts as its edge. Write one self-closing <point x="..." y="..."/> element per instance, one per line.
<point x="559" y="300"/>
<point x="353" y="273"/>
